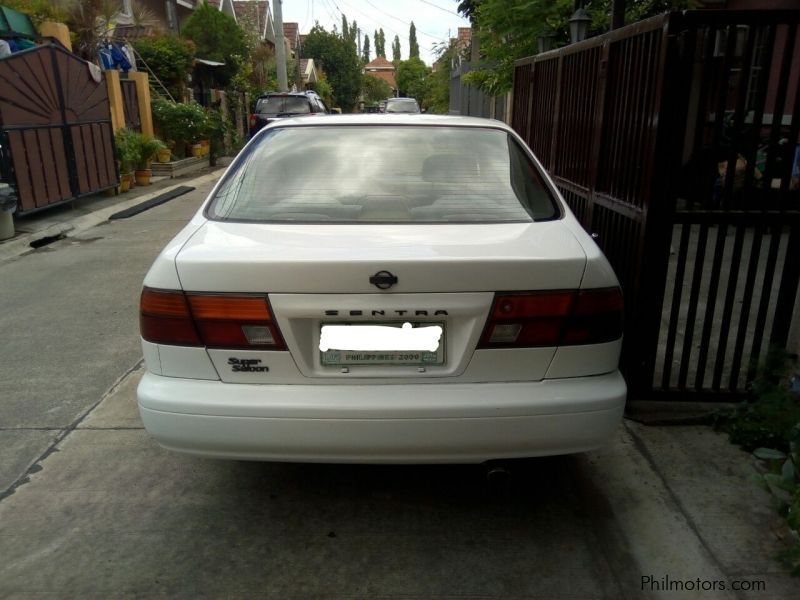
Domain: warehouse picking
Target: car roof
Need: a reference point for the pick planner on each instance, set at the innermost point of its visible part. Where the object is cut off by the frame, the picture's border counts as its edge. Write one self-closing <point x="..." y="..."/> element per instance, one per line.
<point x="390" y="119"/>
<point x="303" y="94"/>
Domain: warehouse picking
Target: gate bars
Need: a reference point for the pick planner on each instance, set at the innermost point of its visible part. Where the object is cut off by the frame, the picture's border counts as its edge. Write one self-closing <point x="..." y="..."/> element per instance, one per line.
<point x="673" y="141"/>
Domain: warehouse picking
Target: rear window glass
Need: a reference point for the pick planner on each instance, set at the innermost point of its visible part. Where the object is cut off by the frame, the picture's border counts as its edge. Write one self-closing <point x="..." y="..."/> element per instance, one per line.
<point x="384" y="174"/>
<point x="275" y="105"/>
<point x="402" y="106"/>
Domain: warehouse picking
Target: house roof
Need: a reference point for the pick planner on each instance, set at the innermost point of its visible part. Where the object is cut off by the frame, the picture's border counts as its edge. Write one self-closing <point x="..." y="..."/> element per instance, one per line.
<point x="291" y="32"/>
<point x="308" y="70"/>
<point x="225" y="6"/>
<point x="252" y="13"/>
<point x="379" y="63"/>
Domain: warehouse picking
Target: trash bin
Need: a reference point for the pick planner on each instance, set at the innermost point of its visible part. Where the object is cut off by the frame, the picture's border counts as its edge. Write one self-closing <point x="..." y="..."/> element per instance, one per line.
<point x="8" y="204"/>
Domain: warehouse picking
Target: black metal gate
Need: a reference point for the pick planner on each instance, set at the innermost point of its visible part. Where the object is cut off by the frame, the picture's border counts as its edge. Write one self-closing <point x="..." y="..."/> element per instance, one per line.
<point x="55" y="128"/>
<point x="673" y="140"/>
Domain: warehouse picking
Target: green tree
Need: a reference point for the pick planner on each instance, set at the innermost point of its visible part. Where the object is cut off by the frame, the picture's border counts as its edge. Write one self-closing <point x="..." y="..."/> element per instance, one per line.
<point x="339" y="61"/>
<point x="39" y="10"/>
<point x="412" y="79"/>
<point x="323" y="88"/>
<point x="374" y="89"/>
<point x="353" y="33"/>
<point x="380" y="43"/>
<point x="365" y="55"/>
<point x="439" y="79"/>
<point x="413" y="46"/>
<point x="170" y="59"/>
<point x="509" y="29"/>
<point x="217" y="37"/>
<point x="396" y="50"/>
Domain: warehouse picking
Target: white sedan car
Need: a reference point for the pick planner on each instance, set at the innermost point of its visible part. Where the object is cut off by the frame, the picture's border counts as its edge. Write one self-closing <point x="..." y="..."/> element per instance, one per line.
<point x="464" y="314"/>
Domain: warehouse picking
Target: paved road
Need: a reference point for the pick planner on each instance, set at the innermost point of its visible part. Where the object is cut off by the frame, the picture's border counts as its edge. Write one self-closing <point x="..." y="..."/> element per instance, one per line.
<point x="68" y="322"/>
<point x="91" y="507"/>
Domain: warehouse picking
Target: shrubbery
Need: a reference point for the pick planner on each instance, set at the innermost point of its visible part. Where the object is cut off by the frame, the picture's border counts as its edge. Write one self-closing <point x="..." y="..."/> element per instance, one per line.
<point x="170" y="58"/>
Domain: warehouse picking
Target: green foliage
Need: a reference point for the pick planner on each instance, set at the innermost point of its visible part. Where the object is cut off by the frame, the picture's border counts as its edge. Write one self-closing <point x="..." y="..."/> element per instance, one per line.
<point x="509" y="30"/>
<point x="324" y="89"/>
<point x="439" y="81"/>
<point x="365" y="49"/>
<point x="380" y="43"/>
<point x="38" y="10"/>
<point x="770" y="428"/>
<point x="396" y="50"/>
<point x="134" y="148"/>
<point x="264" y="73"/>
<point x="340" y="62"/>
<point x="124" y="149"/>
<point x="413" y="46"/>
<point x="782" y="479"/>
<point x="180" y="123"/>
<point x="218" y="127"/>
<point x="768" y="421"/>
<point x="217" y="37"/>
<point x="412" y="79"/>
<point x="170" y="58"/>
<point x="374" y="89"/>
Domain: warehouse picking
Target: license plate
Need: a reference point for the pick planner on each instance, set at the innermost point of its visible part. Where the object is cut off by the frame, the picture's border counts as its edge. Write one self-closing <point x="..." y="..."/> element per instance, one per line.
<point x="344" y="344"/>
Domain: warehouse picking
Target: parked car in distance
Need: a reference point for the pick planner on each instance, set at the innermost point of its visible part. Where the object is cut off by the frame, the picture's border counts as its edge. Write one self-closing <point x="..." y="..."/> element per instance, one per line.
<point x="333" y="301"/>
<point x="401" y="105"/>
<point x="280" y="105"/>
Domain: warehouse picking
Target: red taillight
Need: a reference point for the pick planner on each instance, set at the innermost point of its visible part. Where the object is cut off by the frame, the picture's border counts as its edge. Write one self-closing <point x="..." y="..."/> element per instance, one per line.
<point x="536" y="319"/>
<point x="164" y="318"/>
<point x="253" y="120"/>
<point x="214" y="320"/>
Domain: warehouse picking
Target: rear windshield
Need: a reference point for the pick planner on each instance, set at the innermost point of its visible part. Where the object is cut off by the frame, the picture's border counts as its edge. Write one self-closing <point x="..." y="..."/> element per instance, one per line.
<point x="402" y="106"/>
<point x="384" y="174"/>
<point x="275" y="105"/>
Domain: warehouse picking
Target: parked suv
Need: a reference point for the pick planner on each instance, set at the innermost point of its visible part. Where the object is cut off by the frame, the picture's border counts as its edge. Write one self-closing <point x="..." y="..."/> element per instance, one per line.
<point x="401" y="105"/>
<point x="278" y="105"/>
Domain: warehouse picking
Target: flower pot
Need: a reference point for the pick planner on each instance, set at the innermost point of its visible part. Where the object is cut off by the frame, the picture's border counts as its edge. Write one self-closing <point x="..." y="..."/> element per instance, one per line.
<point x="164" y="155"/>
<point x="197" y="150"/>
<point x="206" y="146"/>
<point x="143" y="176"/>
<point x="124" y="182"/>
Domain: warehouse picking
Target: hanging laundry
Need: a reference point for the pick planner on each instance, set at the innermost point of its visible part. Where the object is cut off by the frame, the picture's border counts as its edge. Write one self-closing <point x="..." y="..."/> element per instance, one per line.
<point x="127" y="49"/>
<point x="112" y="57"/>
<point x="121" y="61"/>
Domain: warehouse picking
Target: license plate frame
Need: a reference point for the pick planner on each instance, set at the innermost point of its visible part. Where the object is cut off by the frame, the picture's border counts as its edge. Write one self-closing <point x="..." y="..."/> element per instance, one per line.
<point x="385" y="358"/>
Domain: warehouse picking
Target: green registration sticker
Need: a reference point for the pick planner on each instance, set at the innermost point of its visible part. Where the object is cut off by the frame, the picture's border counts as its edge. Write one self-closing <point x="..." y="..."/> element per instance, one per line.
<point x="342" y="357"/>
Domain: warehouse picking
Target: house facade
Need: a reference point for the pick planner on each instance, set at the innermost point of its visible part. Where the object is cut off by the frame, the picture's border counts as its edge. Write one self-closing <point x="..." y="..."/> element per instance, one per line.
<point x="382" y="69"/>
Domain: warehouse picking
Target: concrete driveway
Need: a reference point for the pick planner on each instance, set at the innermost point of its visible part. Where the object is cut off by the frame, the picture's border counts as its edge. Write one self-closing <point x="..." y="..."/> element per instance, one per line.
<point x="92" y="508"/>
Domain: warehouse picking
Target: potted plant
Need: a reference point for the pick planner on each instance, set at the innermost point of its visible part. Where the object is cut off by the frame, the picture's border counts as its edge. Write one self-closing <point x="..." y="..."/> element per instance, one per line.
<point x="164" y="154"/>
<point x="181" y="124"/>
<point x="144" y="149"/>
<point x="124" y="141"/>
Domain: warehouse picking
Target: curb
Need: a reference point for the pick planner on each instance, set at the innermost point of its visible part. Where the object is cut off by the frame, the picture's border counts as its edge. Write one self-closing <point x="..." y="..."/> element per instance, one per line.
<point x="21" y="244"/>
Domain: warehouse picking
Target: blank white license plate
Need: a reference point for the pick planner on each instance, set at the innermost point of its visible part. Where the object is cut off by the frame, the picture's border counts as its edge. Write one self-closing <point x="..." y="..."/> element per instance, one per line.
<point x="420" y="344"/>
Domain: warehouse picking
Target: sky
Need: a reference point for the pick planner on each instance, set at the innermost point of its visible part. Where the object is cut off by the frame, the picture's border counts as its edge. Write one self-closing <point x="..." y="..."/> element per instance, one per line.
<point x="433" y="24"/>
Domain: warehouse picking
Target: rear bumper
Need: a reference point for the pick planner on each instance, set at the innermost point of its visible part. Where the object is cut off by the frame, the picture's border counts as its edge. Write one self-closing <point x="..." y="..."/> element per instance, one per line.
<point x="414" y="423"/>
